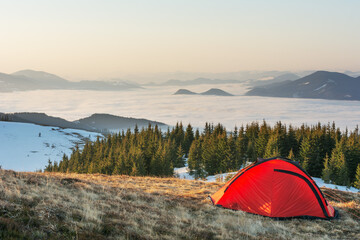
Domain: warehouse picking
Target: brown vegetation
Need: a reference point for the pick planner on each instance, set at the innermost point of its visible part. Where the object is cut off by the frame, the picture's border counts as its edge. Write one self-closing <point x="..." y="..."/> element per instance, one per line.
<point x="83" y="206"/>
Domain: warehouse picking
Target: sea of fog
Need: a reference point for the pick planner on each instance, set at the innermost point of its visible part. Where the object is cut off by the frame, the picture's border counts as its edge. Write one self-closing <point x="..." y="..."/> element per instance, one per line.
<point x="159" y="103"/>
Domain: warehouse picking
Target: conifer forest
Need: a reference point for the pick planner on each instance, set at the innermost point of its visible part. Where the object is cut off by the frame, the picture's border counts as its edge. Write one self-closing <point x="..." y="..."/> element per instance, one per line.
<point x="322" y="150"/>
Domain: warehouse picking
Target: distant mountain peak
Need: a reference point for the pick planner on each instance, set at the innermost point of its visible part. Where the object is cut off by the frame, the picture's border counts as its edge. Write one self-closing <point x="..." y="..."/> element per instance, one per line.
<point x="217" y="92"/>
<point x="30" y="71"/>
<point x="39" y="75"/>
<point x="184" y="91"/>
<point x="212" y="91"/>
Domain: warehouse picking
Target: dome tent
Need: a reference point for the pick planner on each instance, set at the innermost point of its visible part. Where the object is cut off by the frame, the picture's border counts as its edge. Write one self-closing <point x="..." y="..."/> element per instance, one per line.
<point x="274" y="187"/>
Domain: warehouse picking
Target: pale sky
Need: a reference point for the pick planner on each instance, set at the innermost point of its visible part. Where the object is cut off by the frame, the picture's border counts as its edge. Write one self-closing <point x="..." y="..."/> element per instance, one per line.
<point x="107" y="38"/>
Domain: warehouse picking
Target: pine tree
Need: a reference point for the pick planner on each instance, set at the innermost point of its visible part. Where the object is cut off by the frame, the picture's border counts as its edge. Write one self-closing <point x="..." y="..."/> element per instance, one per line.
<point x="134" y="170"/>
<point x="291" y="155"/>
<point x="224" y="154"/>
<point x="156" y="164"/>
<point x="251" y="151"/>
<point x="180" y="160"/>
<point x="326" y="173"/>
<point x="292" y="142"/>
<point x="251" y="134"/>
<point x="195" y="162"/>
<point x="197" y="134"/>
<point x="189" y="137"/>
<point x="63" y="165"/>
<point x="140" y="164"/>
<point x="352" y="154"/>
<point x="167" y="161"/>
<point x="343" y="177"/>
<point x="337" y="165"/>
<point x="305" y="153"/>
<point x="235" y="133"/>
<point x="240" y="148"/>
<point x="262" y="140"/>
<point x="272" y="149"/>
<point x="357" y="177"/>
<point x="49" y="167"/>
<point x="208" y="152"/>
<point x="55" y="167"/>
<point x="283" y="146"/>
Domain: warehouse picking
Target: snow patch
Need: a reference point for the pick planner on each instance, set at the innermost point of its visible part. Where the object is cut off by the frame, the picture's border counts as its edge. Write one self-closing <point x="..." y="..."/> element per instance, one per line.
<point x="321" y="87"/>
<point x="321" y="183"/>
<point x="28" y="147"/>
<point x="266" y="78"/>
<point x="184" y="173"/>
<point x="220" y="177"/>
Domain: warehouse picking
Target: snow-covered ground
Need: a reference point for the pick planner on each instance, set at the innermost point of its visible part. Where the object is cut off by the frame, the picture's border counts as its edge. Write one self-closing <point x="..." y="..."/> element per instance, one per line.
<point x="321" y="183"/>
<point x="28" y="147"/>
<point x="183" y="173"/>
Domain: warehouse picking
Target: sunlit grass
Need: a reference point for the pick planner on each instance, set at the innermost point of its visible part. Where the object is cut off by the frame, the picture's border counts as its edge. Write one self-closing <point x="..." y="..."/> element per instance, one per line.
<point x="82" y="206"/>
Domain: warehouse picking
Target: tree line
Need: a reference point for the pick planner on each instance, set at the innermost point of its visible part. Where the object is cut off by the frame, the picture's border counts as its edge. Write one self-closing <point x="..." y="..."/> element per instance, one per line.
<point x="322" y="150"/>
<point x="139" y="153"/>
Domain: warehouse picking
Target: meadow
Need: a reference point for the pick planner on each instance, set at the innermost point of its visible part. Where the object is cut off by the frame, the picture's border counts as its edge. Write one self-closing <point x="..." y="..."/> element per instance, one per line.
<point x="85" y="206"/>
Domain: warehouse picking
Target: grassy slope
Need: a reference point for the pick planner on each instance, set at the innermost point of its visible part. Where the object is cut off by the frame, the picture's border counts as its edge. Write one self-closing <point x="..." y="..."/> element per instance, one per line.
<point x="76" y="206"/>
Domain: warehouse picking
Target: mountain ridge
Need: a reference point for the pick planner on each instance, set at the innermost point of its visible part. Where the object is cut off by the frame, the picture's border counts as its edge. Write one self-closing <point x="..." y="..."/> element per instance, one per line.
<point x="196" y="81"/>
<point x="98" y="122"/>
<point x="318" y="85"/>
<point x="39" y="75"/>
<point x="26" y="80"/>
<point x="108" y="121"/>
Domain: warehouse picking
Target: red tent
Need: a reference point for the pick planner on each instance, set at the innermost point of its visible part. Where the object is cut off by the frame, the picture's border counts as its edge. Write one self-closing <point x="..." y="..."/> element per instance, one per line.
<point x="274" y="187"/>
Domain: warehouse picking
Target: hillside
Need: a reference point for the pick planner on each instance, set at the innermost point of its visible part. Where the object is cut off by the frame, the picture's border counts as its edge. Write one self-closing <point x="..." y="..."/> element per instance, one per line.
<point x="80" y="206"/>
<point x="321" y="84"/>
<point x="115" y="123"/>
<point x="43" y="119"/>
<point x="96" y="122"/>
<point x="42" y="79"/>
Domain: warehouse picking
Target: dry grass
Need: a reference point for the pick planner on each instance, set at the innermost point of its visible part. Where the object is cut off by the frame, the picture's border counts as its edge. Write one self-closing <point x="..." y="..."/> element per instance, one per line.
<point x="81" y="206"/>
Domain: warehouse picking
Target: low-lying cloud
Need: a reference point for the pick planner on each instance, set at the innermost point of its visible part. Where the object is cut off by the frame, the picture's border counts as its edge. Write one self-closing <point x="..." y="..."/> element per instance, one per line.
<point x="159" y="103"/>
